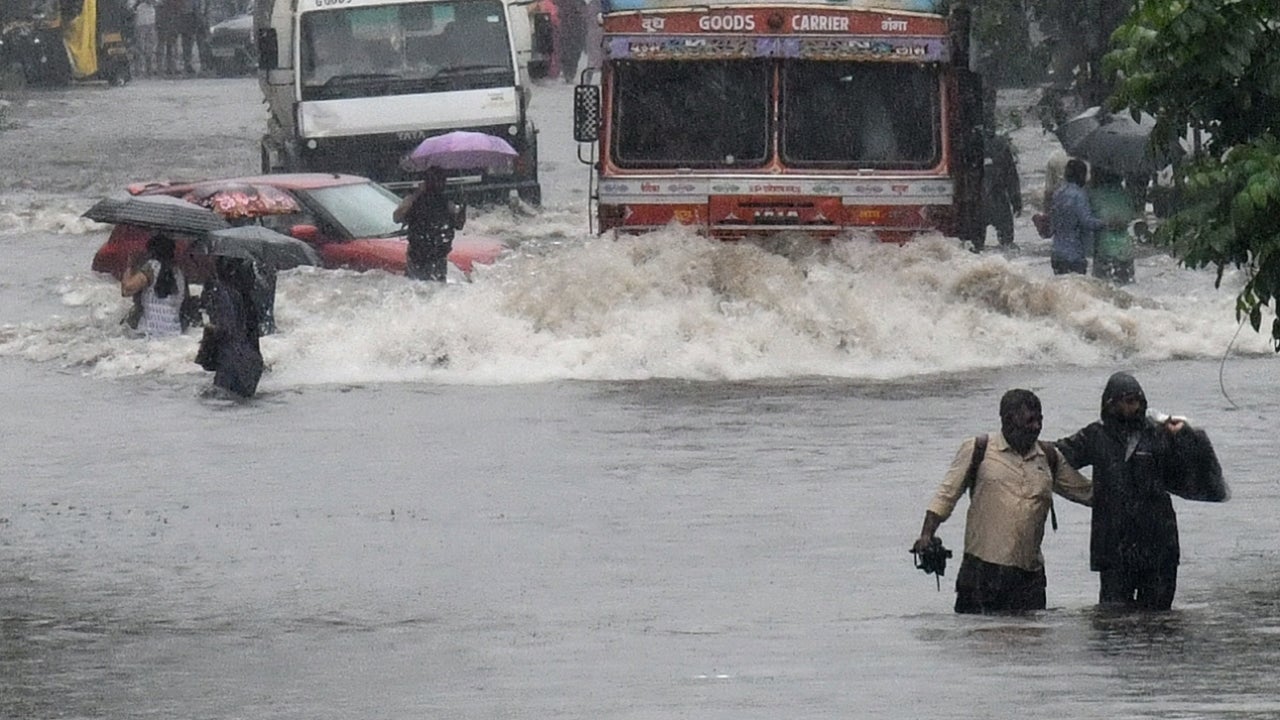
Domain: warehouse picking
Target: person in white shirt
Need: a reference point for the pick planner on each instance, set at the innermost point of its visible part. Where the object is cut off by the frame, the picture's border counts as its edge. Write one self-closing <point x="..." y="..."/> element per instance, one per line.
<point x="160" y="288"/>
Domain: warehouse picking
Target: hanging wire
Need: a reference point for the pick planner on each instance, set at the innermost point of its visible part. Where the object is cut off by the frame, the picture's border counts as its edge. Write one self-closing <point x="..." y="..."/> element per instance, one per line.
<point x="1222" y="387"/>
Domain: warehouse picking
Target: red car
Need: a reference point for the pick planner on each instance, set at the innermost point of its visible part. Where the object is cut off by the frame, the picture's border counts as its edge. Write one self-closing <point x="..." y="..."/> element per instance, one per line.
<point x="345" y="217"/>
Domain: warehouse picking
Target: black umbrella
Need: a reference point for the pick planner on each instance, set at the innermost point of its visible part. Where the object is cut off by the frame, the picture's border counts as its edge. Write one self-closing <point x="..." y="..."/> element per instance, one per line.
<point x="259" y="244"/>
<point x="1115" y="141"/>
<point x="157" y="212"/>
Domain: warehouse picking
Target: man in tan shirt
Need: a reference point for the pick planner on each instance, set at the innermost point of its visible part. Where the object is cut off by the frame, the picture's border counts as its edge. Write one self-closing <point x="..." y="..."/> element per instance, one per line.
<point x="1011" y="495"/>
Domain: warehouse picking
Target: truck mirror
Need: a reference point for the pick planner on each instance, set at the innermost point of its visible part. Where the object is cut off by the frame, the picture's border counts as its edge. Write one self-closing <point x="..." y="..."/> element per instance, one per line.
<point x="268" y="49"/>
<point x="586" y="113"/>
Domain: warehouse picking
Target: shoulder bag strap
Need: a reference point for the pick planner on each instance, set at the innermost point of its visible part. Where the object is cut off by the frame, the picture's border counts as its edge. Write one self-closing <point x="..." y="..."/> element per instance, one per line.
<point x="979" y="452"/>
<point x="1051" y="454"/>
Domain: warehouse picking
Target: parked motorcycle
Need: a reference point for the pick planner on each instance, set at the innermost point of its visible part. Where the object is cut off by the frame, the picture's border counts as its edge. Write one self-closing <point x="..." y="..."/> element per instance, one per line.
<point x="52" y="42"/>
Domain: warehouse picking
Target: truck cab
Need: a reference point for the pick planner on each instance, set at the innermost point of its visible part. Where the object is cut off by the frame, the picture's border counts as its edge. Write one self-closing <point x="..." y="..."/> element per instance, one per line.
<point x="352" y="86"/>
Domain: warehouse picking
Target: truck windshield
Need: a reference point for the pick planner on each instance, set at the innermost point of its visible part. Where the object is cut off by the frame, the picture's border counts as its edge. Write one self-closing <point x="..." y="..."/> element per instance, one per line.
<point x="708" y="114"/>
<point x="874" y="115"/>
<point x="405" y="48"/>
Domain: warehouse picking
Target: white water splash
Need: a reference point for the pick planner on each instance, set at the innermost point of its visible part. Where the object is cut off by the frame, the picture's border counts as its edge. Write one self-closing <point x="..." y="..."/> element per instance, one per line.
<point x="673" y="305"/>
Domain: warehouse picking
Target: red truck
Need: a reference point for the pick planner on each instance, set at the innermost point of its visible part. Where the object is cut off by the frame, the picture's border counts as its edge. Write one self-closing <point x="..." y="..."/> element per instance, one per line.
<point x="746" y="118"/>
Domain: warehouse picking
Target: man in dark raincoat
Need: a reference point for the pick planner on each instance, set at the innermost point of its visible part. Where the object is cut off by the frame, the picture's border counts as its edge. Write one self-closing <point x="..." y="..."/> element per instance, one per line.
<point x="1001" y="188"/>
<point x="1137" y="462"/>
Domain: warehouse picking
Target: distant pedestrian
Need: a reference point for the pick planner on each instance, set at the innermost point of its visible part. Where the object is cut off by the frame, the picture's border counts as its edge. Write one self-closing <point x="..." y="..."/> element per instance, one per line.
<point x="145" y="40"/>
<point x="167" y="36"/>
<point x="1113" y="247"/>
<point x="200" y="33"/>
<point x="1073" y="223"/>
<point x="572" y="37"/>
<point x="594" y="34"/>
<point x="185" y="19"/>
<point x="1001" y="188"/>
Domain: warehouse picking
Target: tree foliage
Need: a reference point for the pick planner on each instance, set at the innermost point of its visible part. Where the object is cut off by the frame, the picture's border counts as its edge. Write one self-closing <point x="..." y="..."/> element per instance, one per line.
<point x="1076" y="33"/>
<point x="1213" y="66"/>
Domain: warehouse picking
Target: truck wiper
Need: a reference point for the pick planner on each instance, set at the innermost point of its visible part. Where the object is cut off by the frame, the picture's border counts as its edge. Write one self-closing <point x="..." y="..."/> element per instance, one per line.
<point x="351" y="78"/>
<point x="463" y="69"/>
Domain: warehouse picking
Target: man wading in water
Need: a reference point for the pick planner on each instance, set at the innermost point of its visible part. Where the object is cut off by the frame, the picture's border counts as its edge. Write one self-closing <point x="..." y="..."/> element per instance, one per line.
<point x="1011" y="478"/>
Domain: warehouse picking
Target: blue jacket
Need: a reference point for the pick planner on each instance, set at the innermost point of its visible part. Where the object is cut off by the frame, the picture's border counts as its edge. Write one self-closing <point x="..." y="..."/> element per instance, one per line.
<point x="1073" y="224"/>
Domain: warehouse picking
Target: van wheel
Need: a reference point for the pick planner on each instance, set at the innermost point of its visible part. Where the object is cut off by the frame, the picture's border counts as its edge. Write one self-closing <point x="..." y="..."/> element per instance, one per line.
<point x="531" y="195"/>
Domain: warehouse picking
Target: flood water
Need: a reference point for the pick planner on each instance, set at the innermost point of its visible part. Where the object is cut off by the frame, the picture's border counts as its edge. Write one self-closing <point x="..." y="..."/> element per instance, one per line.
<point x="641" y="479"/>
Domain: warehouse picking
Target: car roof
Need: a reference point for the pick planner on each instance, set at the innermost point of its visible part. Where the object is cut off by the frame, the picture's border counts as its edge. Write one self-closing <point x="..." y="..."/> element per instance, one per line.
<point x="284" y="181"/>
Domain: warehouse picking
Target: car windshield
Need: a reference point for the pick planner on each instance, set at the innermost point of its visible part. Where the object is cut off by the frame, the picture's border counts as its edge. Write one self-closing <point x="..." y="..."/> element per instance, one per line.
<point x="406" y="48"/>
<point x="363" y="210"/>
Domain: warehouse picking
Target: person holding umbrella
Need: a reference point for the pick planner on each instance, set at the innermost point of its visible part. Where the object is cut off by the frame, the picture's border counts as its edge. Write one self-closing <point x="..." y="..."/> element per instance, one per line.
<point x="158" y="288"/>
<point x="428" y="213"/>
<point x="1073" y="222"/>
<point x="266" y="252"/>
<point x="229" y="346"/>
<point x="431" y="218"/>
<point x="1112" y="247"/>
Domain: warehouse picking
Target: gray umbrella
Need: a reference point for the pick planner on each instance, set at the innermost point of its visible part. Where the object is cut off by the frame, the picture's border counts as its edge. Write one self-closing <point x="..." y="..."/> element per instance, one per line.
<point x="157" y="212"/>
<point x="1115" y="141"/>
<point x="262" y="245"/>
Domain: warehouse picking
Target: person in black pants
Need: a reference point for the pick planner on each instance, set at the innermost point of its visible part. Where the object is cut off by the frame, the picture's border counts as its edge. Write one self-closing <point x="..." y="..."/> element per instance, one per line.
<point x="1001" y="188"/>
<point x="572" y="36"/>
<point x="1138" y="462"/>
<point x="431" y="219"/>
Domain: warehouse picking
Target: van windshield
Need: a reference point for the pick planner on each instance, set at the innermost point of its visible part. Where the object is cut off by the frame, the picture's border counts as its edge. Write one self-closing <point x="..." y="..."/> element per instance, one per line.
<point x="407" y="48"/>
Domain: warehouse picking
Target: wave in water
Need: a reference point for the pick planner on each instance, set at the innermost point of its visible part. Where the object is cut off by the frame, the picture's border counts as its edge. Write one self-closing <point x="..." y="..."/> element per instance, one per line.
<point x="673" y="305"/>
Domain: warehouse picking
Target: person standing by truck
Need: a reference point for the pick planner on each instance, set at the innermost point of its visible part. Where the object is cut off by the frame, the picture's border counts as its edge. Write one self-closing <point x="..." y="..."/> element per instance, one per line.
<point x="572" y="36"/>
<point x="1001" y="188"/>
<point x="431" y="218"/>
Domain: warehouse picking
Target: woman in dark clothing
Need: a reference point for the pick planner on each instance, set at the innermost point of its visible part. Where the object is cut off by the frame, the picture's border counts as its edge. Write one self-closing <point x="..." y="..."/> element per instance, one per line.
<point x="431" y="219"/>
<point x="572" y="36"/>
<point x="230" y="343"/>
<point x="1137" y="462"/>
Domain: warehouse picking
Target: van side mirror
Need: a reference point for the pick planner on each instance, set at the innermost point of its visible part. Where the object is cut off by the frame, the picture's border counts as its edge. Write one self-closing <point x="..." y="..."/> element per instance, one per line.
<point x="586" y="113"/>
<point x="268" y="49"/>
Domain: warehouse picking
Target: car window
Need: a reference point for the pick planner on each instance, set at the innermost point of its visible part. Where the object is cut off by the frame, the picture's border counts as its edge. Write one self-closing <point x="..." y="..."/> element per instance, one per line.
<point x="361" y="210"/>
<point x="282" y="223"/>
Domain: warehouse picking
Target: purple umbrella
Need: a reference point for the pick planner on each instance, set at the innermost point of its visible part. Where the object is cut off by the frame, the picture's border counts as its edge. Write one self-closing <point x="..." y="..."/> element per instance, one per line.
<point x="460" y="150"/>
